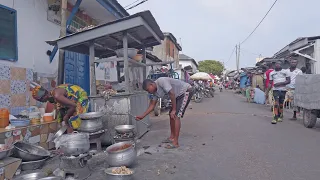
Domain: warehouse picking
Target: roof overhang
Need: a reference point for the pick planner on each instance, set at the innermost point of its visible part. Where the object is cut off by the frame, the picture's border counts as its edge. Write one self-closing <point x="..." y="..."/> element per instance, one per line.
<point x="142" y="30"/>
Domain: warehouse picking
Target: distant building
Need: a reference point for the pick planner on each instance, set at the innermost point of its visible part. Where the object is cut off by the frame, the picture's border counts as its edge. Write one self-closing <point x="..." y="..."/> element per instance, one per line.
<point x="188" y="63"/>
<point x="259" y="59"/>
<point x="168" y="50"/>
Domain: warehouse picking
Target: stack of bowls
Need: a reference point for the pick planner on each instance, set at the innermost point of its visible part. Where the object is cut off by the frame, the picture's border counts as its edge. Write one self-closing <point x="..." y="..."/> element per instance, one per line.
<point x="33" y="157"/>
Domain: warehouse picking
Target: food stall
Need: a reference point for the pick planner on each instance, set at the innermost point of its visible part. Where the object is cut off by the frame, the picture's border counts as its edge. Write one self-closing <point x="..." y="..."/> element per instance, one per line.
<point x="137" y="31"/>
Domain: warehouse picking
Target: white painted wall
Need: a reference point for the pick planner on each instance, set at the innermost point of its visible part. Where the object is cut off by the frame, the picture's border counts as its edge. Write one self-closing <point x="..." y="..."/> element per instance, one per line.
<point x="33" y="30"/>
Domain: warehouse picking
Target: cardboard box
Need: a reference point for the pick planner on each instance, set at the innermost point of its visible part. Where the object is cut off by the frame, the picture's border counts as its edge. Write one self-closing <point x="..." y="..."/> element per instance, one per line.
<point x="8" y="167"/>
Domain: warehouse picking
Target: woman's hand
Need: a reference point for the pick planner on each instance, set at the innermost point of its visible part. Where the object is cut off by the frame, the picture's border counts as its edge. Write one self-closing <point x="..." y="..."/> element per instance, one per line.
<point x="66" y="119"/>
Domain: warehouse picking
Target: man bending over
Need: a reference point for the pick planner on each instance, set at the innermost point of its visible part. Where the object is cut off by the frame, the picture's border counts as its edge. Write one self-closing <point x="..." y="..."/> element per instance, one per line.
<point x="180" y="94"/>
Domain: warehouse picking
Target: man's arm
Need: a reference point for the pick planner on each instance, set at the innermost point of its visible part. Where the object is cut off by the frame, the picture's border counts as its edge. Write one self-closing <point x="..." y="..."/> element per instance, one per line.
<point x="152" y="104"/>
<point x="173" y="100"/>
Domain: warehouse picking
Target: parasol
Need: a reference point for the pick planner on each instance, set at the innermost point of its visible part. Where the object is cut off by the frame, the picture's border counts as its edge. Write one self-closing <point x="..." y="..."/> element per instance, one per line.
<point x="201" y="76"/>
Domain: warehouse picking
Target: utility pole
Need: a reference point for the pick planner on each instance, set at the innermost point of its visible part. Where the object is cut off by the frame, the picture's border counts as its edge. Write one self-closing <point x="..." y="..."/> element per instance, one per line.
<point x="63" y="33"/>
<point x="238" y="59"/>
<point x="237" y="56"/>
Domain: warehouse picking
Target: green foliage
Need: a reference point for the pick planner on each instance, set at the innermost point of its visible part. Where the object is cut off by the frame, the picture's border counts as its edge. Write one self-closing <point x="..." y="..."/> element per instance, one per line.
<point x="211" y="66"/>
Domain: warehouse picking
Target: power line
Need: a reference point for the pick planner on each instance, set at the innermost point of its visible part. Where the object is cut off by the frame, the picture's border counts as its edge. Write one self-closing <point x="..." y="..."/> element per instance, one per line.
<point x="131" y="3"/>
<point x="260" y="22"/>
<point x="143" y="1"/>
<point x="231" y="54"/>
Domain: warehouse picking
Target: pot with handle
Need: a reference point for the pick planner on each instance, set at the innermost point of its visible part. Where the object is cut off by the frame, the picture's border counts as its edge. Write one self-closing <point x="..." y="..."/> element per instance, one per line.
<point x="125" y="157"/>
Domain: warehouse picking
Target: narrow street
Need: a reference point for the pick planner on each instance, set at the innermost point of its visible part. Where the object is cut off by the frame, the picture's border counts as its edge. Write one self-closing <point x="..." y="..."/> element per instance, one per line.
<point x="225" y="138"/>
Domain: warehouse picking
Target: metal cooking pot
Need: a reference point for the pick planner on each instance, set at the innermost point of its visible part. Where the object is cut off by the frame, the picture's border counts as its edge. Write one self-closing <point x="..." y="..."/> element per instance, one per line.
<point x="91" y="115"/>
<point x="124" y="157"/>
<point x="91" y="125"/>
<point x="5" y="153"/>
<point x="124" y="128"/>
<point x="74" y="144"/>
<point x="29" y="152"/>
<point x="32" y="165"/>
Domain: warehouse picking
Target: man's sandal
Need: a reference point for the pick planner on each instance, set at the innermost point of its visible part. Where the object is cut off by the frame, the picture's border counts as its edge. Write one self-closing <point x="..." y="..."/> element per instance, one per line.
<point x="171" y="146"/>
<point x="167" y="141"/>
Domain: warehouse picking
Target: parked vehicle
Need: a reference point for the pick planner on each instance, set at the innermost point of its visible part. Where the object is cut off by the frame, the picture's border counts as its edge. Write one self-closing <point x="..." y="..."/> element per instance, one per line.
<point x="198" y="95"/>
<point x="306" y="96"/>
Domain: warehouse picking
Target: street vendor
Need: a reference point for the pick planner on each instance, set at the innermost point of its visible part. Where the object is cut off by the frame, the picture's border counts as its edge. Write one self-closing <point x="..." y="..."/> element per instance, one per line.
<point x="294" y="71"/>
<point x="180" y="94"/>
<point x="279" y="78"/>
<point x="70" y="101"/>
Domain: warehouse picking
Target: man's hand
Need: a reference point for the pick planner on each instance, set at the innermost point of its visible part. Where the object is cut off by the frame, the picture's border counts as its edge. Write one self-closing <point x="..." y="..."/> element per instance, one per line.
<point x="173" y="114"/>
<point x="138" y="118"/>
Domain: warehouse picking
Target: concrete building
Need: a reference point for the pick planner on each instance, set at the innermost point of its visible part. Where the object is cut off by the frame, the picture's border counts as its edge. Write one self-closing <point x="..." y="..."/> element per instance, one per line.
<point x="188" y="63"/>
<point x="25" y="56"/>
<point x="306" y="50"/>
<point x="168" y="50"/>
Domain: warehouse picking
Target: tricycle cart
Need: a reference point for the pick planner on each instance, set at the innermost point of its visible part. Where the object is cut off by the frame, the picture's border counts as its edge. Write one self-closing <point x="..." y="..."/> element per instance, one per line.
<point x="307" y="97"/>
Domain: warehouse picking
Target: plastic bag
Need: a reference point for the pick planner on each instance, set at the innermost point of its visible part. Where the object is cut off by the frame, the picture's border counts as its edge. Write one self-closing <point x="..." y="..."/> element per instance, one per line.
<point x="71" y="138"/>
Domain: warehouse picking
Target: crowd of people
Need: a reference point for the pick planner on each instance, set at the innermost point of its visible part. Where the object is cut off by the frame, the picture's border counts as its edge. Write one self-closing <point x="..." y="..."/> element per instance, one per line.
<point x="280" y="87"/>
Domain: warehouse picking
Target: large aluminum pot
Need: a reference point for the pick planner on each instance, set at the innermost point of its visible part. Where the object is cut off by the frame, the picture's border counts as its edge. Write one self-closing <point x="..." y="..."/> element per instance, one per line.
<point x="29" y="152"/>
<point x="125" y="157"/>
<point x="91" y="125"/>
<point x="73" y="144"/>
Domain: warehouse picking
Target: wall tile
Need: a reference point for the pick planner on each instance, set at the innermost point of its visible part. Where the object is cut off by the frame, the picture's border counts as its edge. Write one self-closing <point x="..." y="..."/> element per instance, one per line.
<point x="29" y="74"/>
<point x="18" y="87"/>
<point x="18" y="73"/>
<point x="4" y="72"/>
<point x="18" y="100"/>
<point x="5" y="100"/>
<point x="4" y="86"/>
<point x="17" y="110"/>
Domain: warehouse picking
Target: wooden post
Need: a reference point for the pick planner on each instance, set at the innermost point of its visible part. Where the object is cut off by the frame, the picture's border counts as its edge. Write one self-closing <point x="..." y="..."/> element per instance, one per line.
<point x="63" y="33"/>
<point x="93" y="86"/>
<point x="126" y="62"/>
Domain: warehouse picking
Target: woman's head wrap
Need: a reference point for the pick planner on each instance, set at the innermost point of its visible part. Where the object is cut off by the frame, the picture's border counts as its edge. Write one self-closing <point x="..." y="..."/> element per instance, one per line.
<point x="40" y="94"/>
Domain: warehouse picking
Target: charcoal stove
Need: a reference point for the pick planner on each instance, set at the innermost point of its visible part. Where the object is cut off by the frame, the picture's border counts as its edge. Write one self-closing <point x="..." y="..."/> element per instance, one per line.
<point x="94" y="138"/>
<point x="76" y="166"/>
<point x="122" y="137"/>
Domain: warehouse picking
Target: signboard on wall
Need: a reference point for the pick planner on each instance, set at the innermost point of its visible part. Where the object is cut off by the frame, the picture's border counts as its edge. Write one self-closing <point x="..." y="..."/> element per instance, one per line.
<point x="53" y="13"/>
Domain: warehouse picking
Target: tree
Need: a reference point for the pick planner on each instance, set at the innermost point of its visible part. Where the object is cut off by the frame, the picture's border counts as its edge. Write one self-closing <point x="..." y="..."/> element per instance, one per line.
<point x="211" y="66"/>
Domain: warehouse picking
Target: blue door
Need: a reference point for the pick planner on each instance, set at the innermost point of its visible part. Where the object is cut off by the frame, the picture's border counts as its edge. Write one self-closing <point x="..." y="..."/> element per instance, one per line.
<point x="77" y="70"/>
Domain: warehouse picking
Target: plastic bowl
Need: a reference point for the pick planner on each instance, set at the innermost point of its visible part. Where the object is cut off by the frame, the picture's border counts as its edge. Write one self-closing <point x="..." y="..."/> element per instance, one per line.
<point x="19" y="122"/>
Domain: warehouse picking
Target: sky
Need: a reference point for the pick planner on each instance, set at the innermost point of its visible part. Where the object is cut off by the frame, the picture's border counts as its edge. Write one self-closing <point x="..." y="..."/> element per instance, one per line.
<point x="210" y="29"/>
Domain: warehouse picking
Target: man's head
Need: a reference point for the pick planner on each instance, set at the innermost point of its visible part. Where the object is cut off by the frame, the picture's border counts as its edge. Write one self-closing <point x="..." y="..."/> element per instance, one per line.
<point x="304" y="69"/>
<point x="293" y="63"/>
<point x="150" y="86"/>
<point x="278" y="65"/>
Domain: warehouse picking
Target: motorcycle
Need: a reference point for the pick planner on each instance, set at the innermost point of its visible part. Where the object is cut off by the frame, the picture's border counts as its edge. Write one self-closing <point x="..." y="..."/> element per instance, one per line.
<point x="198" y="95"/>
<point x="220" y="88"/>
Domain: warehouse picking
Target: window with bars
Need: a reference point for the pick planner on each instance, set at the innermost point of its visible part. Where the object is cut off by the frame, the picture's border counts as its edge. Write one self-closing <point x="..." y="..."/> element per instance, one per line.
<point x="8" y="34"/>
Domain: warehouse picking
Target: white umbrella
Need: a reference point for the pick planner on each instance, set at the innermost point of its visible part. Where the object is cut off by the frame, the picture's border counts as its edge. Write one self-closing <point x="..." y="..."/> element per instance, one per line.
<point x="201" y="76"/>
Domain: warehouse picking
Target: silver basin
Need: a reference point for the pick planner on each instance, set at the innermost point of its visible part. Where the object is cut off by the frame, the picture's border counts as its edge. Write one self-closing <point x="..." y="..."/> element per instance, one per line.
<point x="112" y="176"/>
<point x="5" y="153"/>
<point x="32" y="176"/>
<point x="124" y="128"/>
<point x="32" y="165"/>
<point x="29" y="152"/>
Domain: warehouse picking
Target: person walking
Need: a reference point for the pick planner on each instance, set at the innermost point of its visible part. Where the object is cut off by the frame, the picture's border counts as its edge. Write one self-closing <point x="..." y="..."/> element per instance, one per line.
<point x="279" y="78"/>
<point x="294" y="72"/>
<point x="266" y="78"/>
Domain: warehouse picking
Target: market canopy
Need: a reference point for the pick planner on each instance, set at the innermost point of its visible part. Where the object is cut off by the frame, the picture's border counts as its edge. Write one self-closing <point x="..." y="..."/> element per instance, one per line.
<point x="141" y="28"/>
<point x="201" y="76"/>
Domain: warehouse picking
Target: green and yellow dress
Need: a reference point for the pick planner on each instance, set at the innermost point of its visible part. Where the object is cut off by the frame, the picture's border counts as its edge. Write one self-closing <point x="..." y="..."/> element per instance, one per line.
<point x="79" y="97"/>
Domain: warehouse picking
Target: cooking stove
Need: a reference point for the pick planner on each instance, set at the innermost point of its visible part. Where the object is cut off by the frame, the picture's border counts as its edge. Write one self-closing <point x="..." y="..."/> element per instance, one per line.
<point x="76" y="166"/>
<point x="121" y="137"/>
<point x="94" y="138"/>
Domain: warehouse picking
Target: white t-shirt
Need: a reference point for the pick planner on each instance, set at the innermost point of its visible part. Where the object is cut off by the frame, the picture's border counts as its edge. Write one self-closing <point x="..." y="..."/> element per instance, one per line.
<point x="293" y="76"/>
<point x="279" y="77"/>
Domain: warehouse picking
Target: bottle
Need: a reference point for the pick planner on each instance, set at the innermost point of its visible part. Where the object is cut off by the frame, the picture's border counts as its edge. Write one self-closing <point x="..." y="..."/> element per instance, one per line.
<point x="4" y="117"/>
